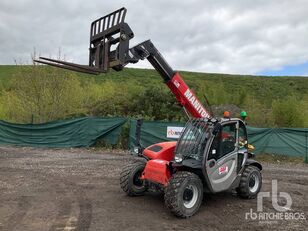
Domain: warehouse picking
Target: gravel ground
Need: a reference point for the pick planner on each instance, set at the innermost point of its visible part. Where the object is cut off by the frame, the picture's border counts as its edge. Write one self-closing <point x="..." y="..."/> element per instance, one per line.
<point x="78" y="189"/>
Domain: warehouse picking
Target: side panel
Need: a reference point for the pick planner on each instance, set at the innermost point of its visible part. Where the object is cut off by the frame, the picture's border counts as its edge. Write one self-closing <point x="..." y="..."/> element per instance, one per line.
<point x="221" y="171"/>
<point x="157" y="171"/>
<point x="161" y="151"/>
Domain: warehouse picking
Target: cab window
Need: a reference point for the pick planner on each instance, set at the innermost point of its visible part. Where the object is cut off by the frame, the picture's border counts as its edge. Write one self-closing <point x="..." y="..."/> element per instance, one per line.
<point x="224" y="142"/>
<point x="242" y="136"/>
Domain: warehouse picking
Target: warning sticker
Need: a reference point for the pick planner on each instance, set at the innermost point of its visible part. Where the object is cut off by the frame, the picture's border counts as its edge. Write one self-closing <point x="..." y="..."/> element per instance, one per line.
<point x="223" y="169"/>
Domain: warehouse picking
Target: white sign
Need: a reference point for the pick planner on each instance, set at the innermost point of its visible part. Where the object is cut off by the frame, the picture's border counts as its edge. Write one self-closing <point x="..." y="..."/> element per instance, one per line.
<point x="174" y="132"/>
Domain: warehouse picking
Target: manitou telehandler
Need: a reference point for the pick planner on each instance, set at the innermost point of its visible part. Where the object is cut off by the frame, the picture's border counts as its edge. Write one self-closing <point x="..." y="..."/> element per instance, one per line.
<point x="211" y="155"/>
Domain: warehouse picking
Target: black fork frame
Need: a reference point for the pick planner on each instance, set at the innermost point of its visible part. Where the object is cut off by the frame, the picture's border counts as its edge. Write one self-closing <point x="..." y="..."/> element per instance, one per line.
<point x="106" y="33"/>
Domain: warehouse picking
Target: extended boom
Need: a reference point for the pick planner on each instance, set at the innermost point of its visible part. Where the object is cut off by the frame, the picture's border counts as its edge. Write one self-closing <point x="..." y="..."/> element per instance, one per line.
<point x="109" y="48"/>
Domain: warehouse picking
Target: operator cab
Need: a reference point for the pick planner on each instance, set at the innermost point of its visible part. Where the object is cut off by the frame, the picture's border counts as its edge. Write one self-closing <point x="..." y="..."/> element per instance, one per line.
<point x="191" y="145"/>
<point x="217" y="146"/>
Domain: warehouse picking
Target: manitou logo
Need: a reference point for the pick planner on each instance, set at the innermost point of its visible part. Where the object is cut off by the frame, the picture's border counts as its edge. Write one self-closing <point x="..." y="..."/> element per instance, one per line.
<point x="196" y="104"/>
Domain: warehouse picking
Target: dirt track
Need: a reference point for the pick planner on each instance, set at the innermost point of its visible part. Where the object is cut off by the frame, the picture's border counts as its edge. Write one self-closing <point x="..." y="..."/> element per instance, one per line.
<point x="79" y="190"/>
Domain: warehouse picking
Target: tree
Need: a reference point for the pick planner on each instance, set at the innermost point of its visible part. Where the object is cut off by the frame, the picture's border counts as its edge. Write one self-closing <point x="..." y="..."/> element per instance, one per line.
<point x="40" y="94"/>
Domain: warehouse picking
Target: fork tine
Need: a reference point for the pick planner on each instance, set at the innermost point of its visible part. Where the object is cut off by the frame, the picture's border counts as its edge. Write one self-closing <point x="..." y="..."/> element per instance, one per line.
<point x="70" y="67"/>
<point x="72" y="64"/>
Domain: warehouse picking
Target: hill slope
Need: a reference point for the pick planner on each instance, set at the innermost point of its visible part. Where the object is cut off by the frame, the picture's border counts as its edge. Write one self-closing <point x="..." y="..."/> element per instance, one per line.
<point x="255" y="94"/>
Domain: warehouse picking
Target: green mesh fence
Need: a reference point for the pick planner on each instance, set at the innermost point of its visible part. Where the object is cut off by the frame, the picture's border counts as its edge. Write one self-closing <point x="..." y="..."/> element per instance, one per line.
<point x="84" y="132"/>
<point x="80" y="132"/>
<point x="285" y="141"/>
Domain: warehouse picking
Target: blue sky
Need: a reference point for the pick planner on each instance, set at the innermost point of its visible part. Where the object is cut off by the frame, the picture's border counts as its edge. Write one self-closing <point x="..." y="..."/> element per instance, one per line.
<point x="289" y="70"/>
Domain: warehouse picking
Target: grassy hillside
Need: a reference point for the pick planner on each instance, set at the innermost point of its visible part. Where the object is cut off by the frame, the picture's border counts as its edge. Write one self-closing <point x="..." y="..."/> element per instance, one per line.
<point x="255" y="94"/>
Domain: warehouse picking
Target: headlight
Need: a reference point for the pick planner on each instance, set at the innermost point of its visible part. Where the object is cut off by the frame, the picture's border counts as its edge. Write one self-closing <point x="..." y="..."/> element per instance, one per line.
<point x="178" y="159"/>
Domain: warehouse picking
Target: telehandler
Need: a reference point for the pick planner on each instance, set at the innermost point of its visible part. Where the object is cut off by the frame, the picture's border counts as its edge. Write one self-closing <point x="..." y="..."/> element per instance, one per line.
<point x="211" y="155"/>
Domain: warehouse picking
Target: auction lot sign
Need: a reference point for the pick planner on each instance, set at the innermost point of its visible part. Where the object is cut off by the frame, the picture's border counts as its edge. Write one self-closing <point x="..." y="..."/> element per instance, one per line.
<point x="282" y="212"/>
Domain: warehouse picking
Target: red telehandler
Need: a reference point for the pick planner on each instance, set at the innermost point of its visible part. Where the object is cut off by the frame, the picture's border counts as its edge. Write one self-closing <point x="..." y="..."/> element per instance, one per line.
<point x="211" y="155"/>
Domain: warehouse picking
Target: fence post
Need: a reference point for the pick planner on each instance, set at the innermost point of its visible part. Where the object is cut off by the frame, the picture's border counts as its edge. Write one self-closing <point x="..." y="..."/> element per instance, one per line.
<point x="138" y="135"/>
<point x="306" y="158"/>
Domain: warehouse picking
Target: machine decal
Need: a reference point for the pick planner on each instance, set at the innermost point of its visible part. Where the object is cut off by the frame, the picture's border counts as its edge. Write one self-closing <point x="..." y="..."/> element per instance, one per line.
<point x="223" y="169"/>
<point x="195" y="102"/>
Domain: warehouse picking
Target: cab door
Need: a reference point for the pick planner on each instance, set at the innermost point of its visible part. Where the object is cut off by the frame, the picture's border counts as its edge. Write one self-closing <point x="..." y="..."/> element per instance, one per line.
<point x="222" y="157"/>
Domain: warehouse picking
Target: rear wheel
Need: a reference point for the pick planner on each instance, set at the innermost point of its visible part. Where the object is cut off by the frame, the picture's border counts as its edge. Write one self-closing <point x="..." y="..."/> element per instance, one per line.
<point x="184" y="194"/>
<point x="251" y="182"/>
<point x="130" y="180"/>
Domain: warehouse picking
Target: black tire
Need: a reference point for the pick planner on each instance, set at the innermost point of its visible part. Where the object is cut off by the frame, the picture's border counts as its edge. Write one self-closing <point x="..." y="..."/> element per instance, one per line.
<point x="129" y="179"/>
<point x="184" y="194"/>
<point x="250" y="183"/>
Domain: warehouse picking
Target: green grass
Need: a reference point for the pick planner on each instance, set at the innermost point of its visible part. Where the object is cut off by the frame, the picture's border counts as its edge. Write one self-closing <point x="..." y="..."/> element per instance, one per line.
<point x="6" y="73"/>
<point x="264" y="89"/>
<point x="257" y="83"/>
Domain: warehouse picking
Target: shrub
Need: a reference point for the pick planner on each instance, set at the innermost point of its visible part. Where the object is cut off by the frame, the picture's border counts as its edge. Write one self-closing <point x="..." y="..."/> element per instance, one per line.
<point x="42" y="94"/>
<point x="289" y="112"/>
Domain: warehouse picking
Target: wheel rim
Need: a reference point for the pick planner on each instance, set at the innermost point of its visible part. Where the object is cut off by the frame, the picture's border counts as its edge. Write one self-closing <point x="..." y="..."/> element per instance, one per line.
<point x="136" y="180"/>
<point x="254" y="183"/>
<point x="190" y="196"/>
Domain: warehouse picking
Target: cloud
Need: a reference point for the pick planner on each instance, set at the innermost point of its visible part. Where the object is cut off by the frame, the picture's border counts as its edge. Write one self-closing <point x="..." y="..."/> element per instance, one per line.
<point x="242" y="36"/>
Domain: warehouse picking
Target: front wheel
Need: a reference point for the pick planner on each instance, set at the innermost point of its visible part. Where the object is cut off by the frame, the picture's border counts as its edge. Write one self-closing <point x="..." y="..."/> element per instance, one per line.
<point x="184" y="194"/>
<point x="250" y="183"/>
<point x="130" y="179"/>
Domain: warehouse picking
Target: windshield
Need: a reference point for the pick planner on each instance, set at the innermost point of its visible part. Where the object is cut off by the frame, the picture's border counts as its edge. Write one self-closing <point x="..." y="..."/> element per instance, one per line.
<point x="193" y="140"/>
